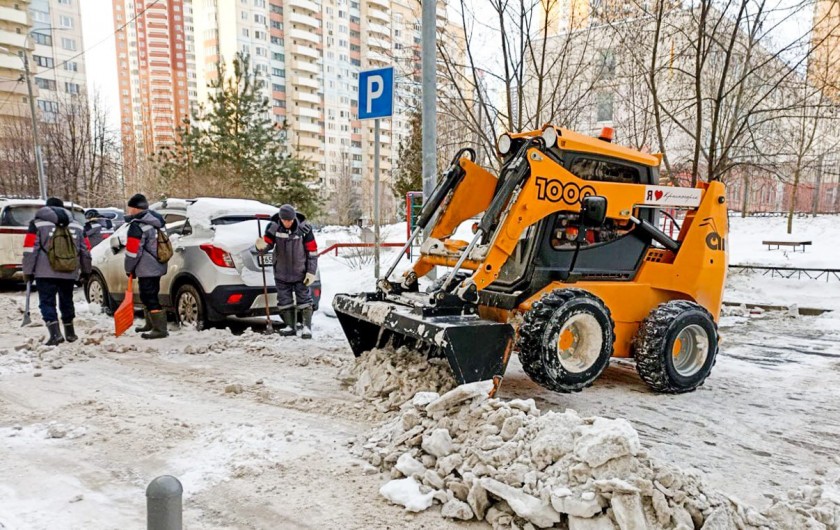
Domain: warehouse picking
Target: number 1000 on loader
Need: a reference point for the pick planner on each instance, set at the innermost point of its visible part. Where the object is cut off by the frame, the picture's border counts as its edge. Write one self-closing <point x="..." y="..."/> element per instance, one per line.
<point x="567" y="266"/>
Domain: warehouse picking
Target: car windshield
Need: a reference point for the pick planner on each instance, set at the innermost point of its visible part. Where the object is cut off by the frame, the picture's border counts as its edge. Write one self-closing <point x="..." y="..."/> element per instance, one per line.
<point x="21" y="215"/>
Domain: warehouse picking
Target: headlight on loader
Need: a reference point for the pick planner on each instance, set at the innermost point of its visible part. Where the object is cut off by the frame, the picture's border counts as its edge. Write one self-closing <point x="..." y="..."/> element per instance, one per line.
<point x="504" y="144"/>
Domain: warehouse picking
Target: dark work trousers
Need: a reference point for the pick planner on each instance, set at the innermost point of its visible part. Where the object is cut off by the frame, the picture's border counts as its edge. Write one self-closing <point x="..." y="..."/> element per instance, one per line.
<point x="284" y="295"/>
<point x="149" y="291"/>
<point x="48" y="288"/>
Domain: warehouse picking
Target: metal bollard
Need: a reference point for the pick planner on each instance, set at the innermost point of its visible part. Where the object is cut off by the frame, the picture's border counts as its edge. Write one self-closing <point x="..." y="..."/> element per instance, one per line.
<point x="163" y="504"/>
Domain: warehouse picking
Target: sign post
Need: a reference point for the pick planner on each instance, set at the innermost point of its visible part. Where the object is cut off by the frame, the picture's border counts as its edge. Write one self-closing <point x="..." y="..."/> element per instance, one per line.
<point x="376" y="100"/>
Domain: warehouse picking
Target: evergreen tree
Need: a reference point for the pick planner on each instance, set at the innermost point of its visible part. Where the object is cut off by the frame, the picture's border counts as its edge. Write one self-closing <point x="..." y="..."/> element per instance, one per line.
<point x="234" y="148"/>
<point x="409" y="175"/>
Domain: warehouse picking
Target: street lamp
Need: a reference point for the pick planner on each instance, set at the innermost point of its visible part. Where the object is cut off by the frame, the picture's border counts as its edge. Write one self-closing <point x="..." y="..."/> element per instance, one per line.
<point x="39" y="160"/>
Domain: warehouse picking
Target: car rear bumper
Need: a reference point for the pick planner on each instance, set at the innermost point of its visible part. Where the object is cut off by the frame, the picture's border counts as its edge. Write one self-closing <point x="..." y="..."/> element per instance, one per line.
<point x="11" y="272"/>
<point x="243" y="300"/>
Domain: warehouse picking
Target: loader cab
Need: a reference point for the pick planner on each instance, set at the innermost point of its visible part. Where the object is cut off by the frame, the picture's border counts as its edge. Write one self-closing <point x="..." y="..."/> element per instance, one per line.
<point x="545" y="251"/>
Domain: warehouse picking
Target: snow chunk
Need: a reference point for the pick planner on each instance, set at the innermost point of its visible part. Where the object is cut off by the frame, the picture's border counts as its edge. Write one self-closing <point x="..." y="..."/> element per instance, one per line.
<point x="406" y="492"/>
<point x="459" y="395"/>
<point x="438" y="443"/>
<point x="606" y="440"/>
<point x="526" y="506"/>
<point x="408" y="465"/>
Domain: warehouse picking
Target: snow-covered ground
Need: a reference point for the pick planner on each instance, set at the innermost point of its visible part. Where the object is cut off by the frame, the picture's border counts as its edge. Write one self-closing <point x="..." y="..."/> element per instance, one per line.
<point x="259" y="429"/>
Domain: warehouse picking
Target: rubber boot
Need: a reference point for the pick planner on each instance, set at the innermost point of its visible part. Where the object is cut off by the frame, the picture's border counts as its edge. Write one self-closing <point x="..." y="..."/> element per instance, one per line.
<point x="288" y="316"/>
<point x="306" y="332"/>
<point x="147" y="326"/>
<point x="159" y="330"/>
<point x="70" y="332"/>
<point x="55" y="334"/>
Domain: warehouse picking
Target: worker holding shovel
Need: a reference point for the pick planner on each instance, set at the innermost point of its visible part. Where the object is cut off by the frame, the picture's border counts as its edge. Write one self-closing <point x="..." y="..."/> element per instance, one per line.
<point x="56" y="254"/>
<point x="295" y="266"/>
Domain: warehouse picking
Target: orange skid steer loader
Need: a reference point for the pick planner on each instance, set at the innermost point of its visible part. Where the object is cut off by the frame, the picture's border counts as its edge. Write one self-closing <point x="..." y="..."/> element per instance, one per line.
<point x="567" y="266"/>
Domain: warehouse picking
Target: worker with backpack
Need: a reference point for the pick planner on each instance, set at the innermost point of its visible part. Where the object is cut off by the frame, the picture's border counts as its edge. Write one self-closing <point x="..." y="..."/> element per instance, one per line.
<point x="147" y="252"/>
<point x="56" y="255"/>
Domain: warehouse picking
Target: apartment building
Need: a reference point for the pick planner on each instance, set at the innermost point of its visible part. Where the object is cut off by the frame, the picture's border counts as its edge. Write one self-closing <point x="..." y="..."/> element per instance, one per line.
<point x="824" y="66"/>
<point x="58" y="64"/>
<point x="14" y="28"/>
<point x="50" y="31"/>
<point x="156" y="74"/>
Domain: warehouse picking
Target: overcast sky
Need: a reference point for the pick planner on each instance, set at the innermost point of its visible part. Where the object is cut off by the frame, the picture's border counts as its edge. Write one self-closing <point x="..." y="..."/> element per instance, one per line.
<point x="100" y="59"/>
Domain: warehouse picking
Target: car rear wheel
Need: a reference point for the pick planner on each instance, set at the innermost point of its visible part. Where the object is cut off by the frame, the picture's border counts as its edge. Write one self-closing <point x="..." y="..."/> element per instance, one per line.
<point x="190" y="308"/>
<point x="96" y="292"/>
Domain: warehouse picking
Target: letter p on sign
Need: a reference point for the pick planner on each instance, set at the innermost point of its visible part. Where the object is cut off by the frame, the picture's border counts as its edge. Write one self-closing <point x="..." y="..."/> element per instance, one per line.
<point x="376" y="93"/>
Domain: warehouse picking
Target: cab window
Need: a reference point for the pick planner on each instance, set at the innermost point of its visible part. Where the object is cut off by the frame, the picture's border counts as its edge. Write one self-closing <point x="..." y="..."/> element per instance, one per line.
<point x="604" y="170"/>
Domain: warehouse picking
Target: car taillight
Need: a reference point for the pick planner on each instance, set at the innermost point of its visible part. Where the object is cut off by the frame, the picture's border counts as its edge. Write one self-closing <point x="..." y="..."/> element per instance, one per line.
<point x="234" y="298"/>
<point x="218" y="256"/>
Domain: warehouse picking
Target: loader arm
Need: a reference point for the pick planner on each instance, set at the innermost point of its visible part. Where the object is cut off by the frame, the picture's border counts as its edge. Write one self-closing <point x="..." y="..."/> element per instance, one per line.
<point x="471" y="196"/>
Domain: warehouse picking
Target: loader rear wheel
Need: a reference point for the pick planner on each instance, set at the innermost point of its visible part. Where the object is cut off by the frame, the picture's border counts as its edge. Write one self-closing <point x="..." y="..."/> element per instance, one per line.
<point x="676" y="347"/>
<point x="566" y="340"/>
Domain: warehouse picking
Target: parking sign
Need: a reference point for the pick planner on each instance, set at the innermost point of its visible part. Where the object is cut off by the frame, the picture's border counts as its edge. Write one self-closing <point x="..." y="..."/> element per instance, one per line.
<point x="376" y="93"/>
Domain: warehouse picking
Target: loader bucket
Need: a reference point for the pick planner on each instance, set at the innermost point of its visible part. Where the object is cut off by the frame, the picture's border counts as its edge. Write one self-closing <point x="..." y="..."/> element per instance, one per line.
<point x="477" y="349"/>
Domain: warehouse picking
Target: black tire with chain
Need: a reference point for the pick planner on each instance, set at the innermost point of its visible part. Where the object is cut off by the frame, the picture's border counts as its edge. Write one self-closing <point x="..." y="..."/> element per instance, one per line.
<point x="653" y="344"/>
<point x="537" y="338"/>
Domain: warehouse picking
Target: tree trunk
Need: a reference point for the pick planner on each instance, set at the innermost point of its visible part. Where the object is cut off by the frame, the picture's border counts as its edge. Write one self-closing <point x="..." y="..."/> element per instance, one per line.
<point x="817" y="188"/>
<point x="792" y="209"/>
<point x="745" y="199"/>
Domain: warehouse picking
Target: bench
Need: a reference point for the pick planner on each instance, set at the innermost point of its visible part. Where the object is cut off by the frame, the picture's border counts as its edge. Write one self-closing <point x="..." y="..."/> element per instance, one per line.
<point x="793" y="244"/>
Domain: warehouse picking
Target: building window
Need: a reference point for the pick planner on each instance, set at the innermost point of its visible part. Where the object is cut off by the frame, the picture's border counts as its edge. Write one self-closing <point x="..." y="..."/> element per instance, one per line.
<point x="65" y="21"/>
<point x="65" y="2"/>
<point x="605" y="106"/>
<point x="45" y="84"/>
<point x="276" y="25"/>
<point x="259" y="19"/>
<point x="48" y="106"/>
<point x="606" y="60"/>
<point x="279" y="72"/>
<point x="279" y="104"/>
<point x="68" y="44"/>
<point x="46" y="62"/>
<point x="40" y="38"/>
<point x="277" y="88"/>
<point x="276" y="9"/>
<point x="259" y="3"/>
<point x="71" y="88"/>
<point x="71" y="66"/>
<point x="246" y="33"/>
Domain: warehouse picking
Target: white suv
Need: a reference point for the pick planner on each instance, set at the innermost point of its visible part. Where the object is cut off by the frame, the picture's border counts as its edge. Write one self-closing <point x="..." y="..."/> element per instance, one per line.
<point x="15" y="215"/>
<point x="214" y="271"/>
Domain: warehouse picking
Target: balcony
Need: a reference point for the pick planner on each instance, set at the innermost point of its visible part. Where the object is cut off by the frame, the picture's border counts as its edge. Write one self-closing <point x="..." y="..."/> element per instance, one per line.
<point x="379" y="16"/>
<point x="311" y="142"/>
<point x="7" y="38"/>
<point x="306" y="52"/>
<point x="381" y="4"/>
<point x="12" y="62"/>
<point x="376" y="57"/>
<point x="305" y="20"/>
<point x="306" y="66"/>
<point x="306" y="82"/>
<point x="379" y="29"/>
<point x="17" y="16"/>
<point x="313" y="128"/>
<point x="308" y="113"/>
<point x="307" y="5"/>
<point x="379" y="44"/>
<point x="308" y="98"/>
<point x="305" y="35"/>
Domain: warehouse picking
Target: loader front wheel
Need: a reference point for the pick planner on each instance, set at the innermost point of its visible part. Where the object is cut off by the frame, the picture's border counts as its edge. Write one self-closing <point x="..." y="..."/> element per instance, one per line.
<point x="566" y="340"/>
<point x="676" y="347"/>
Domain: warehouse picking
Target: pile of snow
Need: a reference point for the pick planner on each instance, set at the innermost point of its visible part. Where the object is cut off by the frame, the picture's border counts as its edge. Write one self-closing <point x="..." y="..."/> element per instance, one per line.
<point x="389" y="378"/>
<point x="508" y="464"/>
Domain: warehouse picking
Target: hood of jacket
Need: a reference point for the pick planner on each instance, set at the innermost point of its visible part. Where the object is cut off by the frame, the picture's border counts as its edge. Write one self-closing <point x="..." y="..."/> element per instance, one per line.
<point x="53" y="214"/>
<point x="148" y="217"/>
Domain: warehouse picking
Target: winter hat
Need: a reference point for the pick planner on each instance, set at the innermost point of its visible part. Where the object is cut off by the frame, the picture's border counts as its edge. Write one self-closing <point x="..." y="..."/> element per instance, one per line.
<point x="138" y="201"/>
<point x="91" y="214"/>
<point x="55" y="202"/>
<point x="287" y="212"/>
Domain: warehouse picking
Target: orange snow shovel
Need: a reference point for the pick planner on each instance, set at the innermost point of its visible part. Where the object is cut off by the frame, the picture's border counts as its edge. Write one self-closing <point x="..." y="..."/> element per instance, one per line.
<point x="124" y="315"/>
